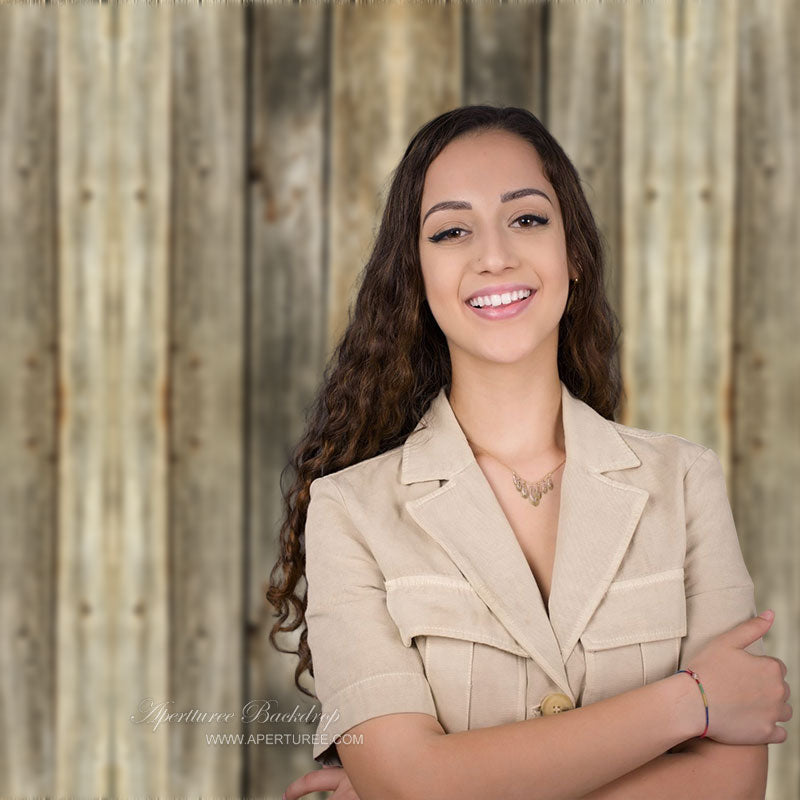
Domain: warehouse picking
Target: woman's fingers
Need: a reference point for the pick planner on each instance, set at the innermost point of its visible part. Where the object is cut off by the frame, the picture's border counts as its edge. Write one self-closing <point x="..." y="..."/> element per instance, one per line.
<point x="778" y="736"/>
<point x="787" y="710"/>
<point x="318" y="780"/>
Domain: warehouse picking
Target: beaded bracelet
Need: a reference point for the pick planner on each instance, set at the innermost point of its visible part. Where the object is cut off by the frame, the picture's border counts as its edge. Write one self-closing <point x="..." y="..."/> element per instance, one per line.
<point x="694" y="675"/>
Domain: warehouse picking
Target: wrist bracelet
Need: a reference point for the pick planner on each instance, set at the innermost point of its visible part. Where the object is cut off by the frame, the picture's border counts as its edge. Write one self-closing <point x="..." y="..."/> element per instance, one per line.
<point x="691" y="673"/>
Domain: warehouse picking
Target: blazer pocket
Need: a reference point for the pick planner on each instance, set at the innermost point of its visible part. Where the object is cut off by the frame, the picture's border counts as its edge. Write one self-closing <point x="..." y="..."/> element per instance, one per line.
<point x="475" y="668"/>
<point x="634" y="636"/>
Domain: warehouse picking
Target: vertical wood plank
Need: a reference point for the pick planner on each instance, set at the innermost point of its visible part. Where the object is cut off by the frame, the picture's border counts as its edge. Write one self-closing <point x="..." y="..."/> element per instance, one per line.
<point x="113" y="197"/>
<point x="380" y="96"/>
<point x="138" y="271"/>
<point x="286" y="335"/>
<point x="704" y="248"/>
<point x="504" y="55"/>
<point x="652" y="321"/>
<point x="28" y="409"/>
<point x="584" y="112"/>
<point x="86" y="588"/>
<point x="766" y="327"/>
<point x="206" y="368"/>
<point x="679" y="159"/>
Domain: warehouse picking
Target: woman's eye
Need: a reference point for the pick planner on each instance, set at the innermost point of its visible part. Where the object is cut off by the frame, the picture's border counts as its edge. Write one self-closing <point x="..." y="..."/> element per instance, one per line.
<point x="526" y="220"/>
<point x="445" y="235"/>
<point x="538" y="218"/>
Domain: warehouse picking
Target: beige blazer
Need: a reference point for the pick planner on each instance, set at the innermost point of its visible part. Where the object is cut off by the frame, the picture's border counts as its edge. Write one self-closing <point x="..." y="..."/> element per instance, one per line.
<point x="421" y="599"/>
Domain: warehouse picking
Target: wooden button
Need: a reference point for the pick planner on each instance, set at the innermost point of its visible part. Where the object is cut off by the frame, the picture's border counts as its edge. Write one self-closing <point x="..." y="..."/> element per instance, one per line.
<point x="556" y="703"/>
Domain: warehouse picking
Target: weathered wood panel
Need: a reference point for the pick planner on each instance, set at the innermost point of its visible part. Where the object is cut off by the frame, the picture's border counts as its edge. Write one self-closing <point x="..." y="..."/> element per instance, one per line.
<point x="28" y="401"/>
<point x="394" y="67"/>
<point x="112" y="525"/>
<point x="504" y="51"/>
<point x="584" y="112"/>
<point x="287" y="240"/>
<point x="206" y="384"/>
<point x="766" y="330"/>
<point x="677" y="181"/>
<point x="652" y="323"/>
<point x="701" y="376"/>
<point x="136" y="281"/>
<point x="88" y="320"/>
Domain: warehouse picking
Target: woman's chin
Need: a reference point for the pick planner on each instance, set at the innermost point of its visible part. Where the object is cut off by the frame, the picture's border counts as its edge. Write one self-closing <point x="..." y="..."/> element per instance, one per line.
<point x="502" y="355"/>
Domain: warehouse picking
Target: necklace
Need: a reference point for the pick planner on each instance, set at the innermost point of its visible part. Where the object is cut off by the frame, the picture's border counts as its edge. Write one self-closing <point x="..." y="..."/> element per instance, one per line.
<point x="530" y="491"/>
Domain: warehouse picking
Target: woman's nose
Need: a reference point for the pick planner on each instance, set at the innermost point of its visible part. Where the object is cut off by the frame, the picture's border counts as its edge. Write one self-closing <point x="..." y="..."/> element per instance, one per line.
<point x="494" y="251"/>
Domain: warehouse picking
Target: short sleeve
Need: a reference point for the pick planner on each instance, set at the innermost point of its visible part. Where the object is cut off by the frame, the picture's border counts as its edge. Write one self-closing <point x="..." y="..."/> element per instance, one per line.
<point x="362" y="669"/>
<point x="719" y="589"/>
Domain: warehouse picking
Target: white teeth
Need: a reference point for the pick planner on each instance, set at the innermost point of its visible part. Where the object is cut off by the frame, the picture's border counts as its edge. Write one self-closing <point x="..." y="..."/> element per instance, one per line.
<point x="499" y="299"/>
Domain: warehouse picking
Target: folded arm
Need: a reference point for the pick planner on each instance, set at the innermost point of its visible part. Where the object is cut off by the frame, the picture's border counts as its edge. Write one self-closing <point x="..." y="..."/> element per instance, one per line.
<point x="700" y="769"/>
<point x="564" y="756"/>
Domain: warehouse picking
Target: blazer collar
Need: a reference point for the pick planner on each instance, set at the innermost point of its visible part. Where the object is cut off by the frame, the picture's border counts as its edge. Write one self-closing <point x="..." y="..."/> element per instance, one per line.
<point x="597" y="517"/>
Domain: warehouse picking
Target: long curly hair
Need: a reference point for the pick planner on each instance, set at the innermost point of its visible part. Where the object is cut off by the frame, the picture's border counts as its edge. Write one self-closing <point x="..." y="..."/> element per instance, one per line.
<point x="392" y="358"/>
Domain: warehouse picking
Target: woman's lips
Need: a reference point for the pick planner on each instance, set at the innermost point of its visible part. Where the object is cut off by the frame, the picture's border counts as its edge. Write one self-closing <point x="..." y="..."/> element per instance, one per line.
<point x="503" y="312"/>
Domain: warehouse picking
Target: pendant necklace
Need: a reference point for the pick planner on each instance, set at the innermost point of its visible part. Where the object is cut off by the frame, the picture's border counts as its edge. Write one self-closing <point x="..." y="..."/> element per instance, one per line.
<point x="532" y="491"/>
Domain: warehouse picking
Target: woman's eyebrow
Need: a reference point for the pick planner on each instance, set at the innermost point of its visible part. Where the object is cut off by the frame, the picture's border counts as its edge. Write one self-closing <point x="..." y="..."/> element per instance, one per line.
<point x="459" y="205"/>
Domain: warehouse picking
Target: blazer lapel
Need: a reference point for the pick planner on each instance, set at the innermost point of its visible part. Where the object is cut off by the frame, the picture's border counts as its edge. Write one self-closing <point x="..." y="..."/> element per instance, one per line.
<point x="597" y="518"/>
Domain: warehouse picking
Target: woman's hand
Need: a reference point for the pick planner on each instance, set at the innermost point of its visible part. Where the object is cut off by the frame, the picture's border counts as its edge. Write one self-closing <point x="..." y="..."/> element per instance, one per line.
<point x="747" y="694"/>
<point x="327" y="779"/>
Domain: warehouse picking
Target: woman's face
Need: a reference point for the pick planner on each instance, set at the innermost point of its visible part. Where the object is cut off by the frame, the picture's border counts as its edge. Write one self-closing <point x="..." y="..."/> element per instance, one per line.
<point x="499" y="230"/>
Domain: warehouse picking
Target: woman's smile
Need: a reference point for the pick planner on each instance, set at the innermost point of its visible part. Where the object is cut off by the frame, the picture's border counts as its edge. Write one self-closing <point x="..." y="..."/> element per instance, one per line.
<point x="501" y="305"/>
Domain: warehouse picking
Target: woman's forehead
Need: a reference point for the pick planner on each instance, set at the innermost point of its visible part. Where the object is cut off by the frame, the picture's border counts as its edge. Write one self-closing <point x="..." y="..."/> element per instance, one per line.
<point x="485" y="166"/>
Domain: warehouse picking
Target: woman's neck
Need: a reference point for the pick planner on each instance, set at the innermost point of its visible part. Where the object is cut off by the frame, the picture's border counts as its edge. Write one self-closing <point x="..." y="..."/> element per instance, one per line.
<point x="519" y="423"/>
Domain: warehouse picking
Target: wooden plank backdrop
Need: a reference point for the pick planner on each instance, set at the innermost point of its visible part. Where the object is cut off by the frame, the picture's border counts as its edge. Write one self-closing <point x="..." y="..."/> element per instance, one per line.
<point x="765" y="390"/>
<point x="188" y="197"/>
<point x="28" y="402"/>
<point x="288" y="241"/>
<point x="206" y="328"/>
<point x="88" y="303"/>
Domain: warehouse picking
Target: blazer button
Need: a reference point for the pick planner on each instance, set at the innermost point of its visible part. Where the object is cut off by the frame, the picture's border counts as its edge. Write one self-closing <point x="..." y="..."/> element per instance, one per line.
<point x="556" y="703"/>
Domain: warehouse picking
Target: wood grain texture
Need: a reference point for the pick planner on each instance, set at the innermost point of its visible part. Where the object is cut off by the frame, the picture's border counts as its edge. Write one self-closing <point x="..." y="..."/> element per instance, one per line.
<point x="766" y="331"/>
<point x="137" y="284"/>
<point x="206" y="402"/>
<point x="113" y="293"/>
<point x="88" y="316"/>
<point x="704" y="256"/>
<point x="287" y="270"/>
<point x="678" y="169"/>
<point x="652" y="322"/>
<point x="28" y="401"/>
<point x="504" y="48"/>
<point x="584" y="112"/>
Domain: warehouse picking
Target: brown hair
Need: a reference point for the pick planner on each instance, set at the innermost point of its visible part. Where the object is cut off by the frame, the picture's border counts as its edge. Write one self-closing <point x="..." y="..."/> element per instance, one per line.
<point x="392" y="359"/>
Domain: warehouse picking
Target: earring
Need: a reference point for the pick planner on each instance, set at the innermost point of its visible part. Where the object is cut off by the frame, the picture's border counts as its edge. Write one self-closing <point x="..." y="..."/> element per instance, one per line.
<point x="574" y="283"/>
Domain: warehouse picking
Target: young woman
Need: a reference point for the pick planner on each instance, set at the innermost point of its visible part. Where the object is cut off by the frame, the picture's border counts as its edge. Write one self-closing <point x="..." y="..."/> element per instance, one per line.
<point x="502" y="581"/>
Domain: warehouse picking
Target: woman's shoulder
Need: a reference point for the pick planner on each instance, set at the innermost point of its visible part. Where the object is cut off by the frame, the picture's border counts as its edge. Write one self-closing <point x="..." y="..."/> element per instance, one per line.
<point x="367" y="474"/>
<point x="658" y="447"/>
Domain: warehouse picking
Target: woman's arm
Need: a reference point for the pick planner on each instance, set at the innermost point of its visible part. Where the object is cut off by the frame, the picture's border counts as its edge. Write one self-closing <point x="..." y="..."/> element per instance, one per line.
<point x="701" y="770"/>
<point x="727" y="772"/>
<point x="569" y="755"/>
<point x="559" y="757"/>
